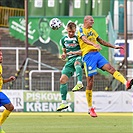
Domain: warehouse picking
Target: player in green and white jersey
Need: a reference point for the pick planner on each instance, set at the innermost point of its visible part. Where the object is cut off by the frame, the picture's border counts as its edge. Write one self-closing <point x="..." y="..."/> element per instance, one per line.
<point x="71" y="51"/>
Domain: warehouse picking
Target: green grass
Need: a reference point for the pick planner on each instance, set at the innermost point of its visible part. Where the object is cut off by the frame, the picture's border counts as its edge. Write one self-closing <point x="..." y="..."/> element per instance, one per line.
<point x="68" y="123"/>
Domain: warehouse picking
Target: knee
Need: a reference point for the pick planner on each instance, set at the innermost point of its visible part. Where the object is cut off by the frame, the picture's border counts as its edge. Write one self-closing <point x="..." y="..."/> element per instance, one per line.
<point x="111" y="69"/>
<point x="90" y="81"/>
<point x="62" y="81"/>
<point x="10" y="107"/>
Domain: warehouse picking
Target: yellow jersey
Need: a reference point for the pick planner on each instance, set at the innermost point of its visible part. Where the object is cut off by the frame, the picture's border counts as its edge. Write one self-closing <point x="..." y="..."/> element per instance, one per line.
<point x="1" y="78"/>
<point x="92" y="35"/>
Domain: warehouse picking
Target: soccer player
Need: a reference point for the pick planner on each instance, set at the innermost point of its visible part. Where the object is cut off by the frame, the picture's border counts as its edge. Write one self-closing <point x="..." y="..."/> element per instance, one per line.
<point x="92" y="59"/>
<point x="71" y="51"/>
<point x="4" y="100"/>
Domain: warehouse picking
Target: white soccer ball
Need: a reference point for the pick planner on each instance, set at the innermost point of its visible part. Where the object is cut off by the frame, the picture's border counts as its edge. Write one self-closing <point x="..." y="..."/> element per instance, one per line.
<point x="55" y="23"/>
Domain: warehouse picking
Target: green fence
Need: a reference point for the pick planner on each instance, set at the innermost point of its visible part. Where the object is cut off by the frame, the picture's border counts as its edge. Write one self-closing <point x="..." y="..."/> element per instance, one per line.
<point x="68" y="7"/>
<point x="100" y="7"/>
<point x="48" y="7"/>
<point x="36" y="8"/>
<point x="82" y="7"/>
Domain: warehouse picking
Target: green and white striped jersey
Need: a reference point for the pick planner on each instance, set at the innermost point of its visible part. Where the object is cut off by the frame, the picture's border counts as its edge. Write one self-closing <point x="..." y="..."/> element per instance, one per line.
<point x="71" y="44"/>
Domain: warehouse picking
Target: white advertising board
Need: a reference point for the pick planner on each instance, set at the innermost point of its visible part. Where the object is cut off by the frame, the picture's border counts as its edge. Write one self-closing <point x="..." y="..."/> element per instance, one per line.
<point x="16" y="97"/>
<point x="105" y="101"/>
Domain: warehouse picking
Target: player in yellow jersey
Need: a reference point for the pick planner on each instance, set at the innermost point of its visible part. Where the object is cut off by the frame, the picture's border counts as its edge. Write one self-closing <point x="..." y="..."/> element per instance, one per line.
<point x="4" y="100"/>
<point x="92" y="58"/>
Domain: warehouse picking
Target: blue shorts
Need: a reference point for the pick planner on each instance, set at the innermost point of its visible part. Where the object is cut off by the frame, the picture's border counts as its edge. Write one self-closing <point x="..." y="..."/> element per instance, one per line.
<point x="92" y="61"/>
<point x="4" y="99"/>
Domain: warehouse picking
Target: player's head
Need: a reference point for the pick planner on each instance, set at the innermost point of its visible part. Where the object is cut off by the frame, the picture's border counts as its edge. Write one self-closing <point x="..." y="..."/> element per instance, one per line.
<point x="71" y="29"/>
<point x="44" y="29"/>
<point x="88" y="21"/>
<point x="1" y="57"/>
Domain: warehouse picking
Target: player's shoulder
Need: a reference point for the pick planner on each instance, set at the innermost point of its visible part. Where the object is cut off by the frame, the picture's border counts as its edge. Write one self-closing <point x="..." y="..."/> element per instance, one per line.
<point x="94" y="32"/>
<point x="81" y="29"/>
<point x="64" y="37"/>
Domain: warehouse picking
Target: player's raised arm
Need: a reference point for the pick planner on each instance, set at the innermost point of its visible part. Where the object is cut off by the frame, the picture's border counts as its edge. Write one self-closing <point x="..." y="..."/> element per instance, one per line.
<point x="64" y="55"/>
<point x="9" y="79"/>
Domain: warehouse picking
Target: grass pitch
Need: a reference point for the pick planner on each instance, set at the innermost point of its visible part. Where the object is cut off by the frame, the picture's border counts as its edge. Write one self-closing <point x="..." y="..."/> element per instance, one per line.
<point x="69" y="123"/>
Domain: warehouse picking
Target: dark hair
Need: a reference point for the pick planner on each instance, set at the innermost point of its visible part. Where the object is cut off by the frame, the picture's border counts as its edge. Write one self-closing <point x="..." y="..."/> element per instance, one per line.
<point x="71" y="25"/>
<point x="43" y="20"/>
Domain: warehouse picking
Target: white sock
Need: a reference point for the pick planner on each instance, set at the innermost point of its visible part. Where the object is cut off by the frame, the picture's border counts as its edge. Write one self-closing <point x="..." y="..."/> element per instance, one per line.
<point x="64" y="101"/>
<point x="125" y="83"/>
<point x="79" y="82"/>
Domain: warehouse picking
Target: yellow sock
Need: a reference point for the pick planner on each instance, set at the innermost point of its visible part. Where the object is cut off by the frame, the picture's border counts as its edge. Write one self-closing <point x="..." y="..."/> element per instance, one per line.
<point x="4" y="115"/>
<point x="89" y="97"/>
<point x="119" y="77"/>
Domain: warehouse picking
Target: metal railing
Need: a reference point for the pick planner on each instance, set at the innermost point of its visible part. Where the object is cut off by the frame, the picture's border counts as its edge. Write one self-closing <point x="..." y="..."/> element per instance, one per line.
<point x="18" y="49"/>
<point x="50" y="81"/>
<point x="44" y="80"/>
<point x="52" y="72"/>
<point x="6" y="12"/>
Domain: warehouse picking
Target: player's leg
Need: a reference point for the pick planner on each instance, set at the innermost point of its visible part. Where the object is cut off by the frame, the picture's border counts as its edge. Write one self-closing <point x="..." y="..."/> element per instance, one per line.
<point x="63" y="91"/>
<point x="91" y="109"/>
<point x="90" y="70"/>
<point x="105" y="65"/>
<point x="67" y="72"/>
<point x="9" y="108"/>
<point x="118" y="76"/>
<point x="4" y="101"/>
<point x="79" y="74"/>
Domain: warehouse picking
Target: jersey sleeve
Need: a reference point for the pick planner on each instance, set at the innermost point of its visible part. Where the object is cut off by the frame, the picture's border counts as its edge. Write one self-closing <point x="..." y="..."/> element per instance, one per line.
<point x="80" y="33"/>
<point x="62" y="42"/>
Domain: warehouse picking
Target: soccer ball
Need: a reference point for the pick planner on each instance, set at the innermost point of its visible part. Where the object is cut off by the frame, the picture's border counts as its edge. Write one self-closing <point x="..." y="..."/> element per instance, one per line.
<point x="55" y="23"/>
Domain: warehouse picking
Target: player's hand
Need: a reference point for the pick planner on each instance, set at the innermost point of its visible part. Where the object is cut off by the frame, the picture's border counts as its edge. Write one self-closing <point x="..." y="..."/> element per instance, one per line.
<point x="63" y="56"/>
<point x="98" y="46"/>
<point x="12" y="78"/>
<point x="119" y="47"/>
<point x="70" y="53"/>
